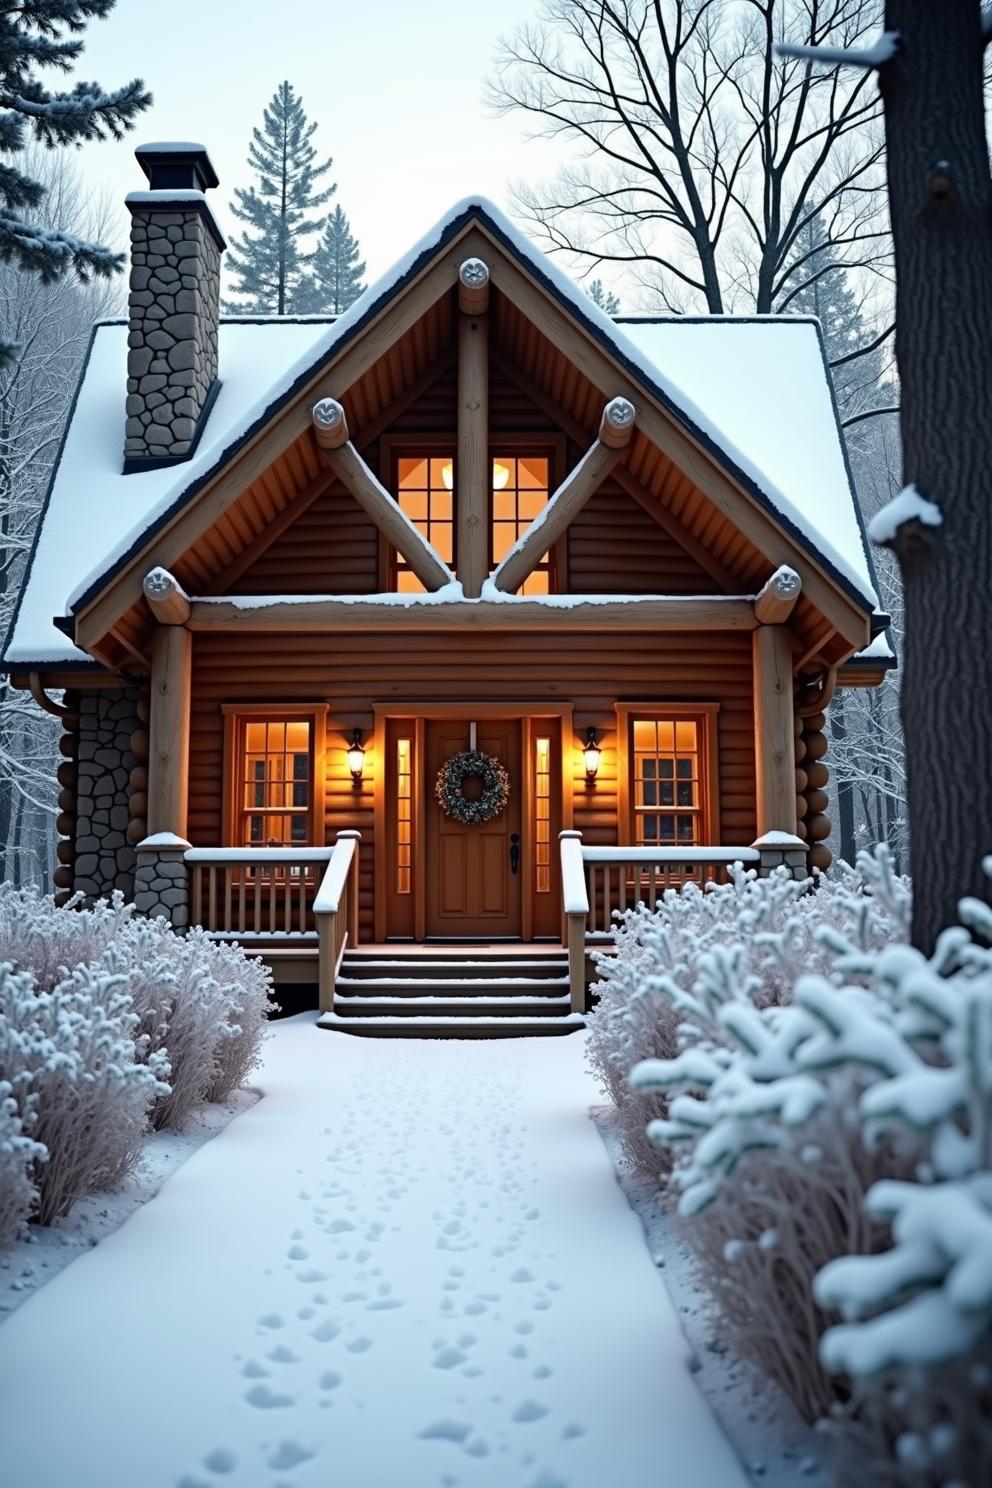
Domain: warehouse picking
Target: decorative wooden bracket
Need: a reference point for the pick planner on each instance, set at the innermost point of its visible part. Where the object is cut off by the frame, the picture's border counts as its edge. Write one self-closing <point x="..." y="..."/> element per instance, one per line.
<point x="777" y="598"/>
<point x="330" y="428"/>
<point x="615" y="429"/>
<point x="167" y="599"/>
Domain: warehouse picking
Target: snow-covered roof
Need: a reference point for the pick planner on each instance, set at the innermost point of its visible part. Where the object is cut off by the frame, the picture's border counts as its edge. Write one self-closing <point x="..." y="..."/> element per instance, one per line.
<point x="756" y="392"/>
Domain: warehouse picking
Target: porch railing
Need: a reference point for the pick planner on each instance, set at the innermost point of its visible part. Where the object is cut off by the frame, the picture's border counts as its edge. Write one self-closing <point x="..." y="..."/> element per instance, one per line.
<point x="269" y="894"/>
<point x="256" y="892"/>
<point x="336" y="913"/>
<point x="599" y="881"/>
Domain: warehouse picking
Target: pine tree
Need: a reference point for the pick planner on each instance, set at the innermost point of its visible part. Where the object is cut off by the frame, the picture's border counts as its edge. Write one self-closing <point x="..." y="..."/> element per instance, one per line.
<point x="37" y="35"/>
<point x="335" y="281"/>
<point x="271" y="262"/>
<point x="605" y="299"/>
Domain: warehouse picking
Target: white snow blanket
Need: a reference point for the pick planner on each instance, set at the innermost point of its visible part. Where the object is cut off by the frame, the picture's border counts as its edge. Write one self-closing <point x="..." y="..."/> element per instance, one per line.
<point x="409" y="1264"/>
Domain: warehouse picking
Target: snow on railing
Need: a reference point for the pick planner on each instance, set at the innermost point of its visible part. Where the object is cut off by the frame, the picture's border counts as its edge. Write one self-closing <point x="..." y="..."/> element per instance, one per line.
<point x="255" y="892"/>
<point x="335" y="910"/>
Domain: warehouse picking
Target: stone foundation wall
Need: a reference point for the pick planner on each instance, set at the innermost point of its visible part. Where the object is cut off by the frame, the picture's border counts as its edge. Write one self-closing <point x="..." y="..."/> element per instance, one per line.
<point x="104" y="857"/>
<point x="174" y="310"/>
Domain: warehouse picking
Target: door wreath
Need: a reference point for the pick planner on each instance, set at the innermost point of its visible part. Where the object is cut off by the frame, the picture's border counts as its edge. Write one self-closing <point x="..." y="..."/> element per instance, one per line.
<point x="492" y="800"/>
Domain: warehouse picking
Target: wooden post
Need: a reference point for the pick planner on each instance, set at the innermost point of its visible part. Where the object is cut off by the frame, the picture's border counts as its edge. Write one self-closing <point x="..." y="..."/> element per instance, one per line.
<point x="774" y="731"/>
<point x="169" y="728"/>
<point x="472" y="476"/>
<point x="577" y="961"/>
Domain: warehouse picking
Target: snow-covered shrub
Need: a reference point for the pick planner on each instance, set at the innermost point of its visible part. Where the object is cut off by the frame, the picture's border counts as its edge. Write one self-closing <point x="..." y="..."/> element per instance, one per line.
<point x="69" y="1057"/>
<point x="683" y="959"/>
<point x="18" y="1155"/>
<point x="37" y="937"/>
<point x="203" y="1004"/>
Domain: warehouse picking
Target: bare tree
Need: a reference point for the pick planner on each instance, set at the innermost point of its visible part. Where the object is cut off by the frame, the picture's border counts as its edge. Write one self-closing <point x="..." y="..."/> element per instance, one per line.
<point x="706" y="155"/>
<point x="49" y="326"/>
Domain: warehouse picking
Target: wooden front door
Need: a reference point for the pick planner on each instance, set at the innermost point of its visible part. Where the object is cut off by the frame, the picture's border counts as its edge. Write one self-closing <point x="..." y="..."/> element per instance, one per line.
<point x="473" y="873"/>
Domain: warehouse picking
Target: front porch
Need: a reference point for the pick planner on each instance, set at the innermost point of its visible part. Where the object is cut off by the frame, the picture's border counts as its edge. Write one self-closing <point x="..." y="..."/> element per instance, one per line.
<point x="298" y="909"/>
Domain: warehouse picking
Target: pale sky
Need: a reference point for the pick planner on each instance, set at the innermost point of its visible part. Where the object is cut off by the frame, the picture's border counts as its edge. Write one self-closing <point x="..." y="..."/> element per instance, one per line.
<point x="396" y="88"/>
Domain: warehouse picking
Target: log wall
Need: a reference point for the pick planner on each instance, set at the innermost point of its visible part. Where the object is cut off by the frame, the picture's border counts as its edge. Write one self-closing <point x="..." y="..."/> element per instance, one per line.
<point x="590" y="671"/>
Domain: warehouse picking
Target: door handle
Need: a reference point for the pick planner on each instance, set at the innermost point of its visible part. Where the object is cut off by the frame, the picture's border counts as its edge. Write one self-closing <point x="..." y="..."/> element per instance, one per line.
<point x="514" y="851"/>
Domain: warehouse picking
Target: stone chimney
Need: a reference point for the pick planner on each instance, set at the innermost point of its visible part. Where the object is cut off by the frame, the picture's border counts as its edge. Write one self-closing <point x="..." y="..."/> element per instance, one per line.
<point x="173" y="307"/>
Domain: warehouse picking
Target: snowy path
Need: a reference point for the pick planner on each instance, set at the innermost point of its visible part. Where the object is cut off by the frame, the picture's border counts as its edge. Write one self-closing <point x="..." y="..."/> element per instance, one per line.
<point x="409" y="1266"/>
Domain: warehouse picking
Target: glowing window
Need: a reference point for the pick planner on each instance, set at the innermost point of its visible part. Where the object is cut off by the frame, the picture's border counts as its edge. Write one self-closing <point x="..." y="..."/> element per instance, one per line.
<point x="404" y="823"/>
<point x="424" y="490"/>
<point x="542" y="816"/>
<point x="520" y="491"/>
<point x="276" y="784"/>
<point x="666" y="782"/>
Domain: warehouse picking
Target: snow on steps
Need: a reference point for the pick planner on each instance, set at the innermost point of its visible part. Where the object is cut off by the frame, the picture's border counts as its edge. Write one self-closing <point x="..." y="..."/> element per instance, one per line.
<point x="452" y="992"/>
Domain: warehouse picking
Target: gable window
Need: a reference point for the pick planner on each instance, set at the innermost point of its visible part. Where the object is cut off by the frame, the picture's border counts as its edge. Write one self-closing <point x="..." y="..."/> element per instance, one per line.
<point x="668" y="774"/>
<point x="275" y="770"/>
<point x="520" y="492"/>
<point x="425" y="492"/>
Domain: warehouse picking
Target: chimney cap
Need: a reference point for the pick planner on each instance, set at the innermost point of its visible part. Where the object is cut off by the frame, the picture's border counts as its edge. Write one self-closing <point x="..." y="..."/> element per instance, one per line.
<point x="176" y="166"/>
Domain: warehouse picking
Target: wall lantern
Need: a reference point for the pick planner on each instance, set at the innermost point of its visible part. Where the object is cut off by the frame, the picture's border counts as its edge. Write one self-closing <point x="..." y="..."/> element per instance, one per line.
<point x="355" y="755"/>
<point x="591" y="753"/>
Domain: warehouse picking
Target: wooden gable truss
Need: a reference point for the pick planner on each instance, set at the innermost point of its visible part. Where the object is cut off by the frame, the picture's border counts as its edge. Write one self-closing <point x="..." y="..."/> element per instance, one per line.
<point x="527" y="333"/>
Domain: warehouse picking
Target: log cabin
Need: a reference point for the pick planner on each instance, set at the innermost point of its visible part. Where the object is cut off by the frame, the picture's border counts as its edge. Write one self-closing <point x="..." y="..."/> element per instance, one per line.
<point x="407" y="647"/>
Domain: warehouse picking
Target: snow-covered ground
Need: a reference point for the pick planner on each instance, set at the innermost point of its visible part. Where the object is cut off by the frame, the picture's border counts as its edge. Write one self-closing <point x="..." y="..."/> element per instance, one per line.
<point x="409" y="1265"/>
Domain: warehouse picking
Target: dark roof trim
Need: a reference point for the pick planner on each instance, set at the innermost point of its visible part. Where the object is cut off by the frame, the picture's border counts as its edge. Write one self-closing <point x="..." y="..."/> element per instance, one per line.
<point x="452" y="230"/>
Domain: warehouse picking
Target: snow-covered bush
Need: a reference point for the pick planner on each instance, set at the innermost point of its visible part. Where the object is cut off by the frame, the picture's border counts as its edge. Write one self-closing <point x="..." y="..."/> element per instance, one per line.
<point x="18" y="1155"/>
<point x="108" y="1023"/>
<point x="683" y="959"/>
<point x="37" y="937"/>
<point x="203" y="1004"/>
<point x="838" y="1147"/>
<point x="69" y="1057"/>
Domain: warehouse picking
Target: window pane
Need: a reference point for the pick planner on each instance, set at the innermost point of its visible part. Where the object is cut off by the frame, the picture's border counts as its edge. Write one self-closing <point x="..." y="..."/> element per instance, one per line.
<point x="665" y="770"/>
<point x="412" y="471"/>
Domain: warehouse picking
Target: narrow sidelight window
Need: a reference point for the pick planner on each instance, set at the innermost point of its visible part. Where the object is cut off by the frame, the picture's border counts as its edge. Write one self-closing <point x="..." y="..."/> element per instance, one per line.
<point x="404" y="819"/>
<point x="542" y="815"/>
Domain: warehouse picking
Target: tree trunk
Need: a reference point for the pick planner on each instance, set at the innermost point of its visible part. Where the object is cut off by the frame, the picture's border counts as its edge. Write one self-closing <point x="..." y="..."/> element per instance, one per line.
<point x="940" y="197"/>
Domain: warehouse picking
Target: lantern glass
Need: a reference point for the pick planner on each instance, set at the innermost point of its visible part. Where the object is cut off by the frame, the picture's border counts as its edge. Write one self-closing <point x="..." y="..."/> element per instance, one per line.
<point x="355" y="756"/>
<point x="591" y="753"/>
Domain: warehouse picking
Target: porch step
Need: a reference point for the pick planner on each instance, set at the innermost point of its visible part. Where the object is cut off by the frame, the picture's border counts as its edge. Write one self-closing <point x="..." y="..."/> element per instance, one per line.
<point x="451" y="1026"/>
<point x="452" y="992"/>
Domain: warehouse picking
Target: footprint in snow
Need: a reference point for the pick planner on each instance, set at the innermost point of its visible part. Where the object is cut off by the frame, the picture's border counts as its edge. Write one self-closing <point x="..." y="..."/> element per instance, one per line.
<point x="220" y="1460"/>
<point x="271" y="1320"/>
<point x="266" y="1398"/>
<point x="527" y="1411"/>
<point x="360" y="1345"/>
<point x="329" y="1380"/>
<point x="254" y="1370"/>
<point x="289" y="1454"/>
<point x="312" y="1275"/>
<point x="572" y="1430"/>
<point x="283" y="1355"/>
<point x="453" y="1431"/>
<point x="542" y="1372"/>
<point x="298" y="1253"/>
<point x="522" y="1274"/>
<point x="449" y="1358"/>
<point x="325" y="1331"/>
<point x="339" y="1226"/>
<point x="384" y="1304"/>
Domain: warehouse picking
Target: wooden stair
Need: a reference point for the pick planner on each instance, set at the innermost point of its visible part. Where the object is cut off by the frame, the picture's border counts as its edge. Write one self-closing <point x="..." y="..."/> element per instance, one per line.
<point x="452" y="992"/>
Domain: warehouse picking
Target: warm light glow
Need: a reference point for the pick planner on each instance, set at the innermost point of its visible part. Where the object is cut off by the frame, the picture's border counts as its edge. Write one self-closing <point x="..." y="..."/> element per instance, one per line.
<point x="501" y="475"/>
<point x="355" y="755"/>
<point x="448" y="475"/>
<point x="591" y="753"/>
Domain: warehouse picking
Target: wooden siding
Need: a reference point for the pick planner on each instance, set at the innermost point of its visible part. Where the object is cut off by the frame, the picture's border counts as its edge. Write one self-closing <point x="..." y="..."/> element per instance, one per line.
<point x="331" y="548"/>
<point x="592" y="672"/>
<point x="615" y="547"/>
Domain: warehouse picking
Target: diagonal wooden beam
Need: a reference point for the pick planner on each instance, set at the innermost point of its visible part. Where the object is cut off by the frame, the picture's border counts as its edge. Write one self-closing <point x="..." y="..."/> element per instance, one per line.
<point x="583" y="481"/>
<point x="650" y="503"/>
<point x="330" y="428"/>
<point x="167" y="600"/>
